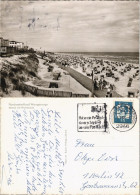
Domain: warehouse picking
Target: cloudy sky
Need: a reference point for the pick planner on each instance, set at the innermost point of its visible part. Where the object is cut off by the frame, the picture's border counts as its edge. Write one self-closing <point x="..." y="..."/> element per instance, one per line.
<point x="72" y="26"/>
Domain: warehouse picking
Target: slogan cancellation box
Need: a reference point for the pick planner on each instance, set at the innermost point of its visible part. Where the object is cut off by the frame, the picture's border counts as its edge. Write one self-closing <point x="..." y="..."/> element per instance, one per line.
<point x="92" y="117"/>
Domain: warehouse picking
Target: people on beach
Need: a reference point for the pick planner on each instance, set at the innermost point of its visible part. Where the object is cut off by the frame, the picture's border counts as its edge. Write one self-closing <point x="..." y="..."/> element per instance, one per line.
<point x="109" y="90"/>
<point x="96" y="87"/>
<point x="101" y="83"/>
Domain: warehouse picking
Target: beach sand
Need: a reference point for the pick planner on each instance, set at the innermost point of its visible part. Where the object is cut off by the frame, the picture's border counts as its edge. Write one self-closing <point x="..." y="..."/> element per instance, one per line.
<point x="68" y="83"/>
<point x="120" y="86"/>
<point x="65" y="82"/>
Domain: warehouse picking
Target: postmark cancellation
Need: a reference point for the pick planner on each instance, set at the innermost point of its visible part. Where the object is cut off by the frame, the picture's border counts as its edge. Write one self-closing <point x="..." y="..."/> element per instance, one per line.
<point x="123" y="116"/>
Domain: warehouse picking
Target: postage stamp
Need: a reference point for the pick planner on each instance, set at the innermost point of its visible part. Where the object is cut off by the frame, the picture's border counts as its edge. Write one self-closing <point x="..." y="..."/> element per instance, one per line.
<point x="92" y="117"/>
<point x="123" y="117"/>
<point x="123" y="112"/>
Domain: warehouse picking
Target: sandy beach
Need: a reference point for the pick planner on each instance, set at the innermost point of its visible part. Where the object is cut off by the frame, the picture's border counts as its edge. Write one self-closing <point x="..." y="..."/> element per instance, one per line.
<point x="122" y="76"/>
<point x="65" y="82"/>
<point x="42" y="79"/>
<point x="115" y="73"/>
<point x="123" y="79"/>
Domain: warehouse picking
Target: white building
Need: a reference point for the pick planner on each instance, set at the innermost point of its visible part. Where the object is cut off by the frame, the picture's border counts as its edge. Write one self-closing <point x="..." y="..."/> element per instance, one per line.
<point x="12" y="43"/>
<point x="16" y="44"/>
<point x="20" y="45"/>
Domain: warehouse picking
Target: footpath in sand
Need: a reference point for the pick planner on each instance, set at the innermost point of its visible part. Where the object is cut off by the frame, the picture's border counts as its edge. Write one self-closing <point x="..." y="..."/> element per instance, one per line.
<point x="24" y="64"/>
<point x="65" y="81"/>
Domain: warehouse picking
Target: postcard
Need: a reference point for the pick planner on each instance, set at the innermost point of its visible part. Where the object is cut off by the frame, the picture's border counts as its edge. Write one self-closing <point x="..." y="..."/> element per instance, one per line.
<point x="70" y="146"/>
<point x="69" y="88"/>
<point x="69" y="48"/>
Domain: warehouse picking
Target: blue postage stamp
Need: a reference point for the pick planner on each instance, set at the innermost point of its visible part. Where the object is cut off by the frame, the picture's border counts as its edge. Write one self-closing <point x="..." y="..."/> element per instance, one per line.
<point x="123" y="112"/>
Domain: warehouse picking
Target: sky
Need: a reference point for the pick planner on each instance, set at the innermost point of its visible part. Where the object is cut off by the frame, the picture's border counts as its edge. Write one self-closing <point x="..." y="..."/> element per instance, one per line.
<point x="72" y="26"/>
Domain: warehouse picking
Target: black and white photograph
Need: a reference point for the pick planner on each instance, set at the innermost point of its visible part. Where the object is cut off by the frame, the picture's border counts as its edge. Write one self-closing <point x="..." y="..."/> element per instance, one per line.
<point x="69" y="49"/>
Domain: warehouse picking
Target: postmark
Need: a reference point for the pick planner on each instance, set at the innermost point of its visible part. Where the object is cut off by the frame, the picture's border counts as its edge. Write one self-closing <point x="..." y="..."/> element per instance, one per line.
<point x="123" y="116"/>
<point x="92" y="117"/>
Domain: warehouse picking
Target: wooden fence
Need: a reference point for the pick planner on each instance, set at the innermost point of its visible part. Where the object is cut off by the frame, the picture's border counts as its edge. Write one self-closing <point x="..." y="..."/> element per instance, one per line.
<point x="50" y="93"/>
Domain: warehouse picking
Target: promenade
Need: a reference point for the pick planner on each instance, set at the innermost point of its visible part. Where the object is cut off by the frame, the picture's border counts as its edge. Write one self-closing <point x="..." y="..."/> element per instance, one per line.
<point x="87" y="82"/>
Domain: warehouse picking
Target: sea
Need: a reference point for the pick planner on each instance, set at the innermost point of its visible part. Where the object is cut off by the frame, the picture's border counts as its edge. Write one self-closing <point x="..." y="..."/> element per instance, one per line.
<point x="128" y="57"/>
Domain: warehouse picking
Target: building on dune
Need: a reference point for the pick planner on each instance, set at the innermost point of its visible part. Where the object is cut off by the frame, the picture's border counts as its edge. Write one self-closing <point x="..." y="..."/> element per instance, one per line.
<point x="19" y="45"/>
<point x="11" y="47"/>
